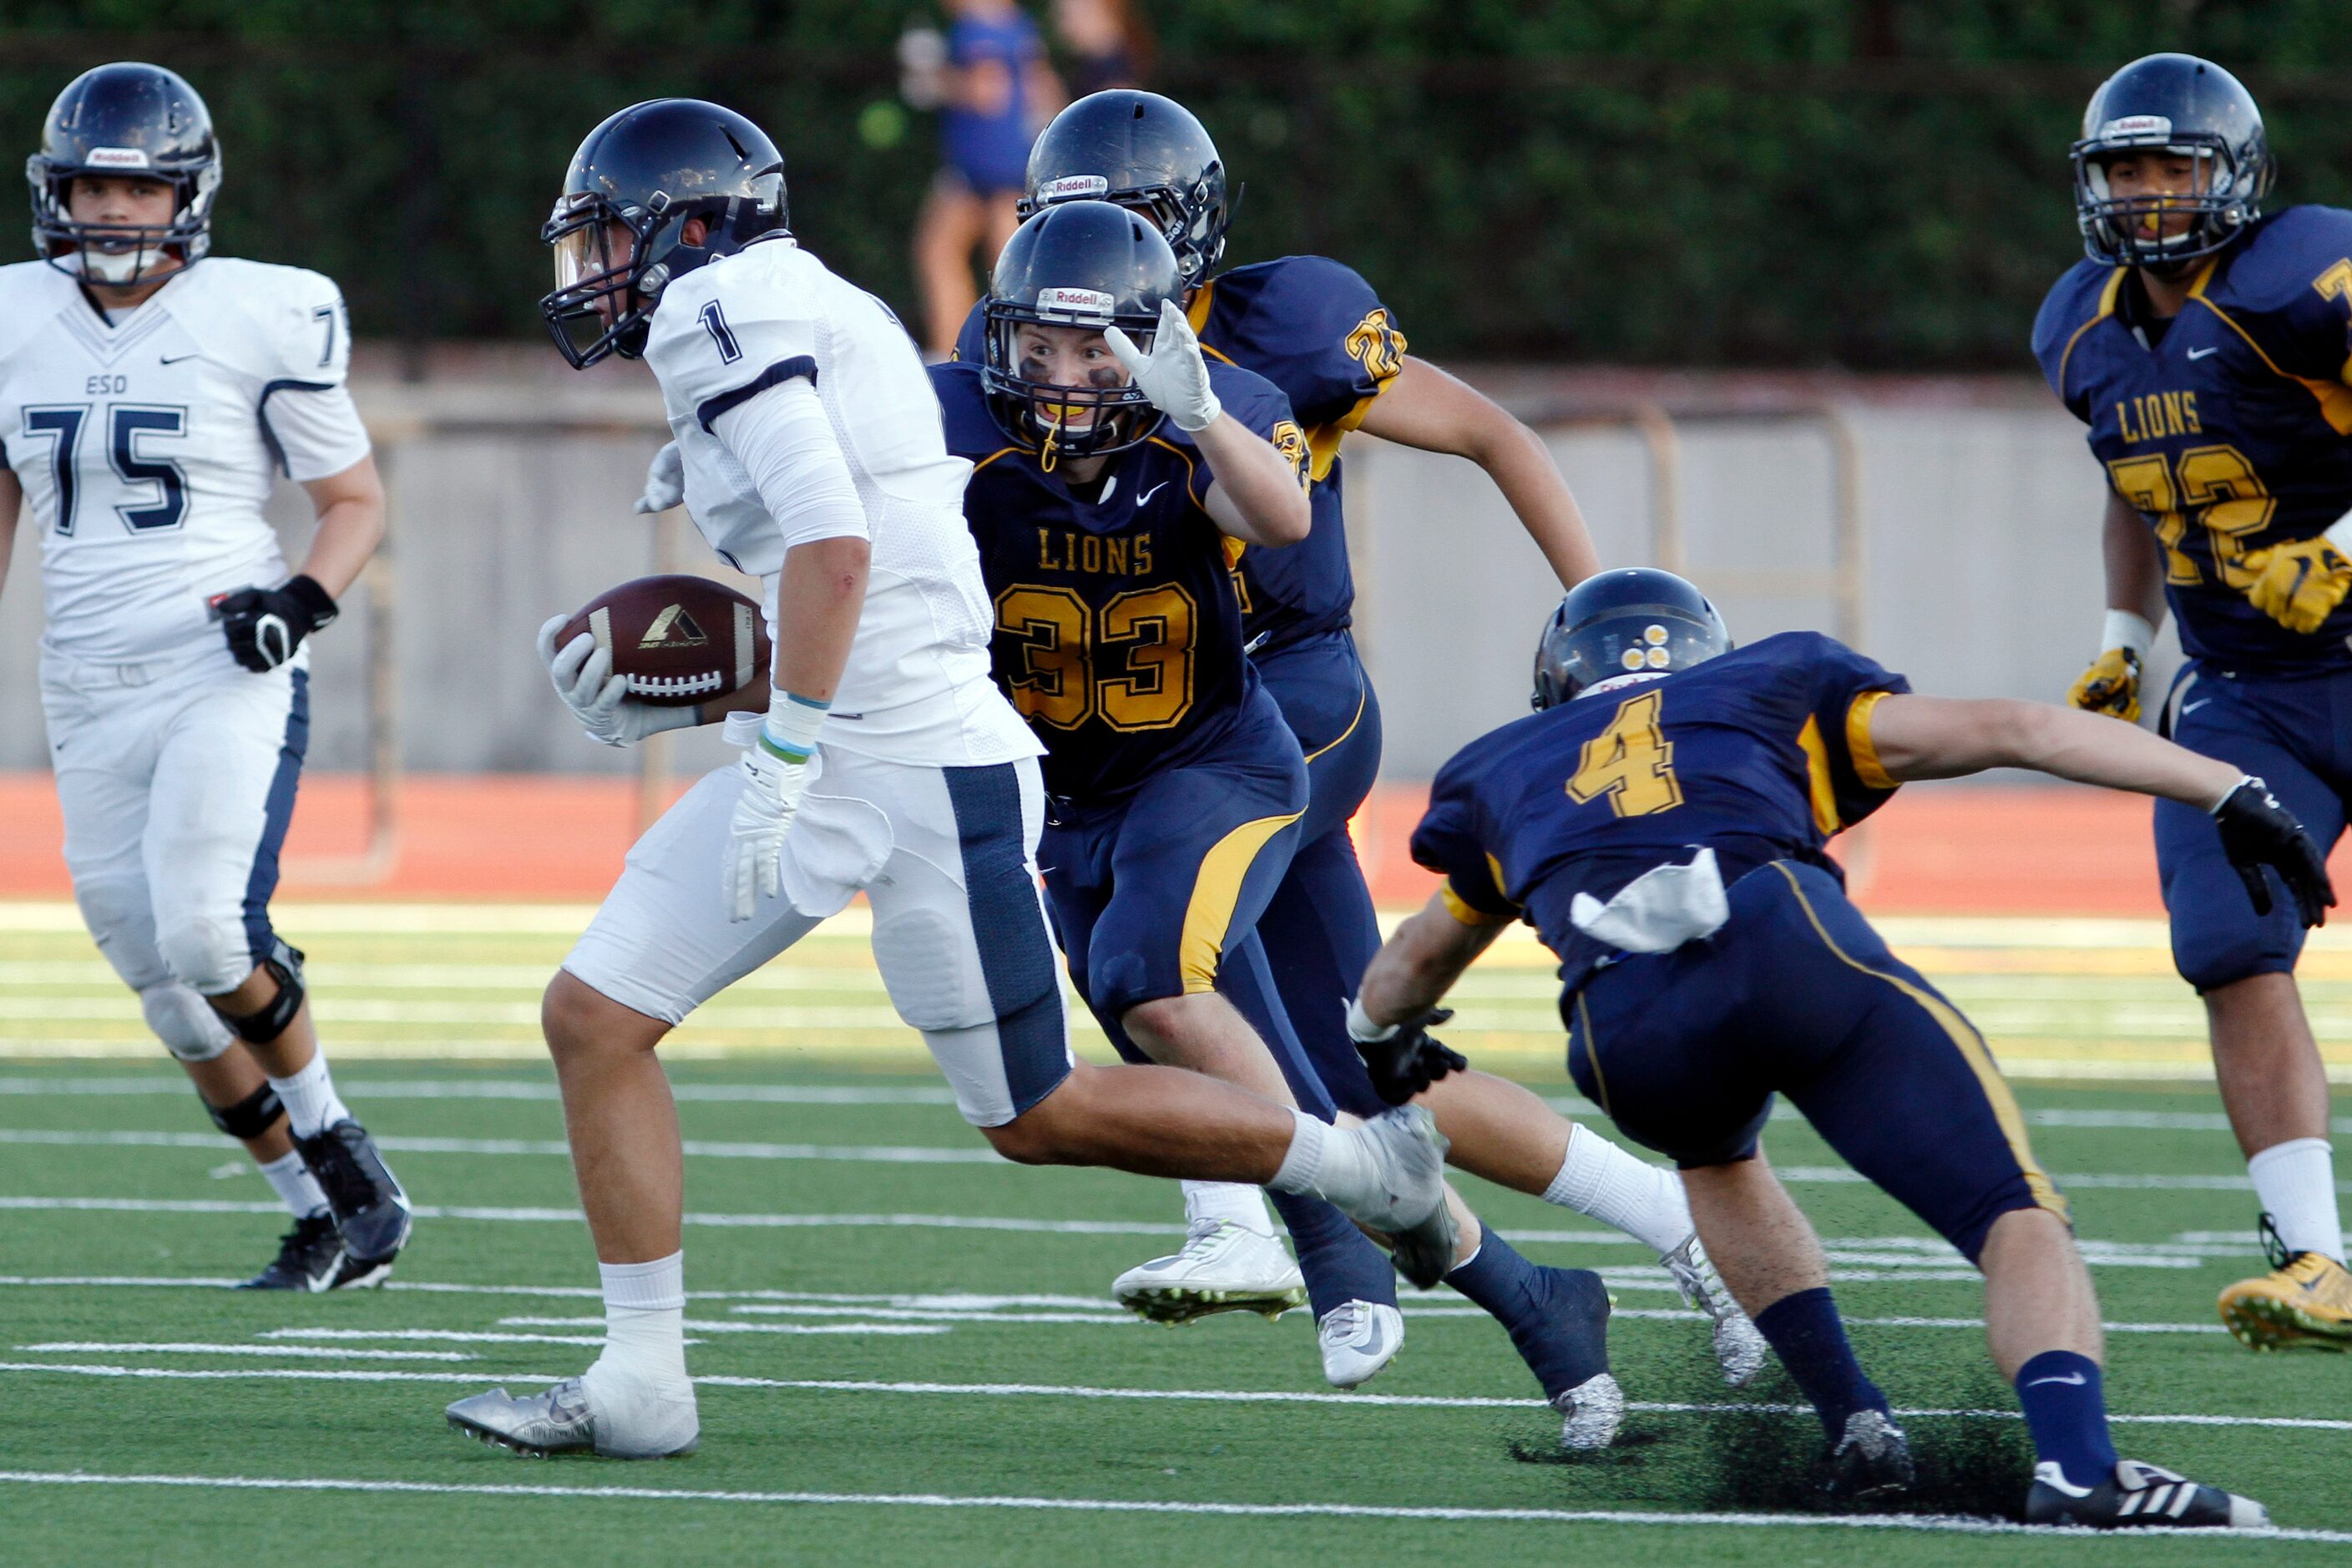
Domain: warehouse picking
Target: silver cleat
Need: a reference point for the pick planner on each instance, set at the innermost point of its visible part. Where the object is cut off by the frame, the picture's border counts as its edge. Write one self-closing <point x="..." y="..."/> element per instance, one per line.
<point x="1409" y="1152"/>
<point x="562" y="1421"/>
<point x="1589" y="1414"/>
<point x="1739" y="1349"/>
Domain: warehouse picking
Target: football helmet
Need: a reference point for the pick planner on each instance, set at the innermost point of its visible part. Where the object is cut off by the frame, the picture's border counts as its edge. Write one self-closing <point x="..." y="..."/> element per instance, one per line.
<point x="1144" y="152"/>
<point x="648" y="169"/>
<point x="124" y="120"/>
<point x="2189" y="108"/>
<point x="1637" y="620"/>
<point x="1076" y="264"/>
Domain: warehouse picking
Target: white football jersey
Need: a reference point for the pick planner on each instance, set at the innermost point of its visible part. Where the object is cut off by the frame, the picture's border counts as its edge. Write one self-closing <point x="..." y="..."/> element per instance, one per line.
<point x="917" y="688"/>
<point x="145" y="445"/>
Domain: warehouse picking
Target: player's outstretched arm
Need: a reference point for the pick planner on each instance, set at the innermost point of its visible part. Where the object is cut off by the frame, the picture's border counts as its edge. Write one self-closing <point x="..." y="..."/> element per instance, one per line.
<point x="1258" y="496"/>
<point x="1426" y="407"/>
<point x="1940" y="737"/>
<point x="1392" y="1010"/>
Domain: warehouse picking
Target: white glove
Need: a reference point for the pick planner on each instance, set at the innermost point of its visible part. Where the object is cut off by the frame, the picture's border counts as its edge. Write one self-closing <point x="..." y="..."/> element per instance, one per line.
<point x="665" y="482"/>
<point x="600" y="699"/>
<point x="753" y="867"/>
<point x="1174" y="374"/>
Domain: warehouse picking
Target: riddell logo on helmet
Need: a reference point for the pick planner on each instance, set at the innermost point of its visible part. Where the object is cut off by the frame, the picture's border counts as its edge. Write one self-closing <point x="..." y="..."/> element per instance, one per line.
<point x="2136" y="125"/>
<point x="116" y="158"/>
<point x="673" y="628"/>
<point x="1070" y="186"/>
<point x="1084" y="301"/>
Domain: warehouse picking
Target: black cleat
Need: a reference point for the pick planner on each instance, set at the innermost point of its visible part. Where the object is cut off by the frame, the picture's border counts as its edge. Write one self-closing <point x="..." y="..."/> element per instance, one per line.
<point x="1871" y="1461"/>
<point x="371" y="1210"/>
<point x="310" y="1258"/>
<point x="2136" y="1496"/>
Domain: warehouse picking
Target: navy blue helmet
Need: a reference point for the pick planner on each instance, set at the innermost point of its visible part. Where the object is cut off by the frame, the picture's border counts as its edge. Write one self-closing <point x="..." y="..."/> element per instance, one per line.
<point x="1087" y="265"/>
<point x="2189" y="108"/>
<point x="648" y="171"/>
<point x="1144" y="152"/>
<point x="1634" y="621"/>
<point x="120" y="121"/>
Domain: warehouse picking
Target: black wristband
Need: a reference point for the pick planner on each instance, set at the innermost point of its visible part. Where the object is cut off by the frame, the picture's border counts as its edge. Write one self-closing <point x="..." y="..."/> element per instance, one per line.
<point x="317" y="602"/>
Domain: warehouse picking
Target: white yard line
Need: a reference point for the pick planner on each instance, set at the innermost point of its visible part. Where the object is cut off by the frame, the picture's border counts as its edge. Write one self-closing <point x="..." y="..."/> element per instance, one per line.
<point x="1920" y="1523"/>
<point x="453" y="1336"/>
<point x="61" y="1347"/>
<point x="363" y="1088"/>
<point x="959" y="1154"/>
<point x="1148" y="1396"/>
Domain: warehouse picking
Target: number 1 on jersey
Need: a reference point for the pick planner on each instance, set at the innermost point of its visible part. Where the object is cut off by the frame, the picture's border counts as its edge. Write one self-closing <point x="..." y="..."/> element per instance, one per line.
<point x="715" y="324"/>
<point x="1631" y="762"/>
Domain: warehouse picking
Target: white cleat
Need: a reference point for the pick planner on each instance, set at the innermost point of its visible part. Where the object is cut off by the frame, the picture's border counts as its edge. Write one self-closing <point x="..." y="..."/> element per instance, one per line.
<point x="1221" y="1267"/>
<point x="1358" y="1339"/>
<point x="1408" y="1157"/>
<point x="1590" y="1413"/>
<point x="1739" y="1348"/>
<point x="650" y="1424"/>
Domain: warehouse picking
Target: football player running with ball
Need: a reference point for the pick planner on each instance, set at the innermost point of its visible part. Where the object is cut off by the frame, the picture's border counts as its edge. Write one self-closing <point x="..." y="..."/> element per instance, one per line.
<point x="147" y="390"/>
<point x="878" y="757"/>
<point x="2209" y="349"/>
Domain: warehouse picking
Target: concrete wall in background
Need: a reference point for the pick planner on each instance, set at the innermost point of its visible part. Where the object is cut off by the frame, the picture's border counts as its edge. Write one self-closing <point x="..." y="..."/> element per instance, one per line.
<point x="1979" y="519"/>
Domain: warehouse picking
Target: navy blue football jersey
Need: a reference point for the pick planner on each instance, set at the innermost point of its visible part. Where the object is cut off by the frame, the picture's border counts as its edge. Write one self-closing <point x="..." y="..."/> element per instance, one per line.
<point x="2233" y="431"/>
<point x="1316" y="330"/>
<point x="1118" y="632"/>
<point x="1761" y="754"/>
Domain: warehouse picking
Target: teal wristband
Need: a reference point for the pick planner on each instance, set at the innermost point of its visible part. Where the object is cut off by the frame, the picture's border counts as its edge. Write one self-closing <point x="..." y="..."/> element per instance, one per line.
<point x="791" y="727"/>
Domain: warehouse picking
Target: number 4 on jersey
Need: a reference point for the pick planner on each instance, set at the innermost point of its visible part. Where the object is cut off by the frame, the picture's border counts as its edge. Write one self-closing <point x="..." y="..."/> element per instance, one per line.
<point x="1631" y="762"/>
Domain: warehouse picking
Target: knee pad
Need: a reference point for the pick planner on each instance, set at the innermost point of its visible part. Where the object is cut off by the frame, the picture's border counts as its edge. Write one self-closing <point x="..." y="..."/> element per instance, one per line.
<point x="123" y="924"/>
<point x="2211" y="953"/>
<point x="208" y="953"/>
<point x="184" y="1022"/>
<point x="285" y="966"/>
<point x="249" y="1118"/>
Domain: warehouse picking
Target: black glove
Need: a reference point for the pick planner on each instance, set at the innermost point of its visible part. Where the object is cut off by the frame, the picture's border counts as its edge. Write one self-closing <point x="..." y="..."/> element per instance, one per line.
<point x="1409" y="1061"/>
<point x="265" y="625"/>
<point x="2257" y="831"/>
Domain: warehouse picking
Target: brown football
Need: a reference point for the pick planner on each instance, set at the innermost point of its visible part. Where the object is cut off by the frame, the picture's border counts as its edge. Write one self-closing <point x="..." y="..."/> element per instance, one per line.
<point x="679" y="640"/>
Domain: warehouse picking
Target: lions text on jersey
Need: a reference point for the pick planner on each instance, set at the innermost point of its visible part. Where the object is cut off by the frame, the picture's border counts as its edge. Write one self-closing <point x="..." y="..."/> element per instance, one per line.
<point x="145" y="445"/>
<point x="917" y="687"/>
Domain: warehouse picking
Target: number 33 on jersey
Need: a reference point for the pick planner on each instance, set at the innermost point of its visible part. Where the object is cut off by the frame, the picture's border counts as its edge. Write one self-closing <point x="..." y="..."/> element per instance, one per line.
<point x="145" y="445"/>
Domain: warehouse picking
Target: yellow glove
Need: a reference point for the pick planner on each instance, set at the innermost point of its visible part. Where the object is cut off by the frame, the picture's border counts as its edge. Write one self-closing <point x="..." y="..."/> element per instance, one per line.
<point x="2299" y="584"/>
<point x="2110" y="686"/>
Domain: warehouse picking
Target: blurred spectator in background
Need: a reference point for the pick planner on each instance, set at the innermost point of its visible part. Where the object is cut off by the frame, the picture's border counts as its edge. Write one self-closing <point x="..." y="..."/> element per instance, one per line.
<point x="990" y="79"/>
<point x="1107" y="44"/>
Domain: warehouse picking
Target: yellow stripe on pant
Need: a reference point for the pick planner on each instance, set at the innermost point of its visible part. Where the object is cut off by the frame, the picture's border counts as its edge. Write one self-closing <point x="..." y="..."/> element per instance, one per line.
<point x="1970" y="1045"/>
<point x="1209" y="914"/>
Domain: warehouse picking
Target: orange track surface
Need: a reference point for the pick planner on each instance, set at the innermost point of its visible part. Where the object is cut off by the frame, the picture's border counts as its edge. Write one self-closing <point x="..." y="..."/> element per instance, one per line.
<point x="1937" y="849"/>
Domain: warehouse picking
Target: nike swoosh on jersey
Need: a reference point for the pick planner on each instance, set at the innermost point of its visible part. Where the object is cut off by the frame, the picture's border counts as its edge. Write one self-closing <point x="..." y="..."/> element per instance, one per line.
<point x="1145" y="499"/>
<point x="174" y="358"/>
<point x="2192" y="707"/>
<point x="2201" y="353"/>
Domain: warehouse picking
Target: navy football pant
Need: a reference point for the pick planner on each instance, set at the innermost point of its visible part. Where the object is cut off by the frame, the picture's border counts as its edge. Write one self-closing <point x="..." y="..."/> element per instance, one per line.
<point x="2296" y="736"/>
<point x="1798" y="995"/>
<point x="1321" y="929"/>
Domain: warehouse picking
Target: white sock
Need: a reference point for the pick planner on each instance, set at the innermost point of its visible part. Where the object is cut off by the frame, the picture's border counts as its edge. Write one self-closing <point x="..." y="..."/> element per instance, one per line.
<point x="1601" y="1180"/>
<point x="1309" y="1140"/>
<point x="297" y="1187"/>
<point x="312" y="1103"/>
<point x="1243" y="1206"/>
<point x="645" y="1320"/>
<point x="2296" y="1182"/>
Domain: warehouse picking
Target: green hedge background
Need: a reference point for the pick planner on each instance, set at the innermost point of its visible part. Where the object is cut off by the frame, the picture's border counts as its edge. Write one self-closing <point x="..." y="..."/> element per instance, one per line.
<point x="1872" y="183"/>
